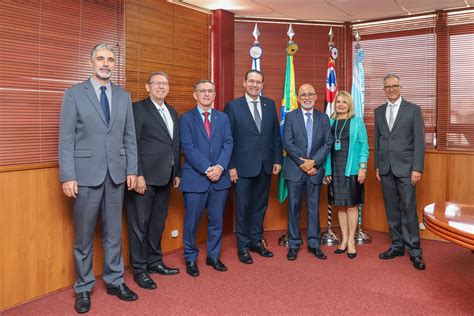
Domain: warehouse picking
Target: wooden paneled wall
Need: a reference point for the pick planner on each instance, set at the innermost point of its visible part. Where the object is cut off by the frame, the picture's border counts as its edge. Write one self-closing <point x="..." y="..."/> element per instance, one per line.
<point x="161" y="36"/>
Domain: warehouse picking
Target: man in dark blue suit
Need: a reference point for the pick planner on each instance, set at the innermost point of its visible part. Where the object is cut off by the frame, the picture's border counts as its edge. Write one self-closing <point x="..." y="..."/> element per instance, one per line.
<point x="206" y="141"/>
<point x="256" y="155"/>
<point x="307" y="140"/>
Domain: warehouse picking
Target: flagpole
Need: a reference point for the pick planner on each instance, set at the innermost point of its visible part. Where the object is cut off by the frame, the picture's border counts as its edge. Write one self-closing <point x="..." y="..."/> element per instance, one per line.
<point x="289" y="103"/>
<point x="329" y="237"/>
<point x="360" y="236"/>
<point x="256" y="52"/>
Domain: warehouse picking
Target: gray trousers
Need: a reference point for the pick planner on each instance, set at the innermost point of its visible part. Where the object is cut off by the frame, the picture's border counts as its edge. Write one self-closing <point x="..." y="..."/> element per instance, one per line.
<point x="106" y="200"/>
<point x="399" y="197"/>
<point x="296" y="190"/>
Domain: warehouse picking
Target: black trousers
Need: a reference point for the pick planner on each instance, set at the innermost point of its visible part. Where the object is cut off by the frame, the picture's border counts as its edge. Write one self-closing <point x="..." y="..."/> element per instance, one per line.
<point x="146" y="217"/>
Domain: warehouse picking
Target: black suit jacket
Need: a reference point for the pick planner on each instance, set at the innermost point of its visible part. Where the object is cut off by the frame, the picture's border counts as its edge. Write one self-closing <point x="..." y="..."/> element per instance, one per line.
<point x="401" y="150"/>
<point x="252" y="149"/>
<point x="158" y="154"/>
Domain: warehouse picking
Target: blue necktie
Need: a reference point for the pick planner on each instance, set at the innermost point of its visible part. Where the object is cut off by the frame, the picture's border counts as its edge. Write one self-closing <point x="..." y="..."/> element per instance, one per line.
<point x="104" y="104"/>
<point x="309" y="131"/>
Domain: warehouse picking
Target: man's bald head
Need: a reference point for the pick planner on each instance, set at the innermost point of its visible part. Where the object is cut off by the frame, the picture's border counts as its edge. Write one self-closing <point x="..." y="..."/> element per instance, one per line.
<point x="307" y="96"/>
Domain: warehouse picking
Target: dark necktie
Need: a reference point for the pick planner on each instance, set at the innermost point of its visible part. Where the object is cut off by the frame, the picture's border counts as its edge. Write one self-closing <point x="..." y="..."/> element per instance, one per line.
<point x="256" y="116"/>
<point x="207" y="124"/>
<point x="309" y="131"/>
<point x="104" y="104"/>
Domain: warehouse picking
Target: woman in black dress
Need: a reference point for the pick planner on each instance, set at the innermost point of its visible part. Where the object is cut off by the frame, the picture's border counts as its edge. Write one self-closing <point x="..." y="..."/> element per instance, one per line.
<point x="346" y="167"/>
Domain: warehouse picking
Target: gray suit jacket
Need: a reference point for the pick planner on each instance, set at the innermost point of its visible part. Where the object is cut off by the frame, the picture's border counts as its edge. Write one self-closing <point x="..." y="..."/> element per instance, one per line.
<point x="295" y="142"/>
<point x="87" y="146"/>
<point x="403" y="149"/>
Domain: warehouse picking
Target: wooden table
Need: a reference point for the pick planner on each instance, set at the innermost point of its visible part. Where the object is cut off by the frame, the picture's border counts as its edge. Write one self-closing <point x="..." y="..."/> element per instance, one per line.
<point x="451" y="221"/>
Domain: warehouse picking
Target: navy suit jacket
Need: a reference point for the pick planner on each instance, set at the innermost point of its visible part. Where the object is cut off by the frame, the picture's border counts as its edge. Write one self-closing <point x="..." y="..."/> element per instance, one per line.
<point x="200" y="152"/>
<point x="295" y="142"/>
<point x="252" y="149"/>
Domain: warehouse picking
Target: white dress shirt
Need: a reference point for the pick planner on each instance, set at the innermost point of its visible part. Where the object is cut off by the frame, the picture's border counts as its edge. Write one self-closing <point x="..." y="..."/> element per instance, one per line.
<point x="306" y="116"/>
<point x="396" y="107"/>
<point x="166" y="113"/>
<point x="250" y="104"/>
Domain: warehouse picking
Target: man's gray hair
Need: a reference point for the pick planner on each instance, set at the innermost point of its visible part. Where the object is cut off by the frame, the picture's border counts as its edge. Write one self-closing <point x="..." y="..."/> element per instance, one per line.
<point x="158" y="73"/>
<point x="203" y="81"/>
<point x="102" y="46"/>
<point x="392" y="75"/>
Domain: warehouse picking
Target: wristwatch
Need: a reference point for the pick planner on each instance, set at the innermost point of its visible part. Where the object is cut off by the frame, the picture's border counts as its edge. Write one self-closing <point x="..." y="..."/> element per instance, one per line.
<point x="363" y="165"/>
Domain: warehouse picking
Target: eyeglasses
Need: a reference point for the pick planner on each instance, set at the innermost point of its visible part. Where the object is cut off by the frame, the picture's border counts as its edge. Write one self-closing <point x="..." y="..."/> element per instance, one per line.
<point x="159" y="83"/>
<point x="307" y="95"/>
<point x="392" y="87"/>
<point x="203" y="91"/>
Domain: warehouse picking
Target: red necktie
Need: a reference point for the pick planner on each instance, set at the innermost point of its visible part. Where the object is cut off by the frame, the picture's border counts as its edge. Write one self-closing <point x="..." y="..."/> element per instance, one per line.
<point x="207" y="124"/>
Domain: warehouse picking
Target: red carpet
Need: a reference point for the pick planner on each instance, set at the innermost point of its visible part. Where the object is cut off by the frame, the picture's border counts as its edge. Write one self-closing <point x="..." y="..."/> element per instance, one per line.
<point x="338" y="285"/>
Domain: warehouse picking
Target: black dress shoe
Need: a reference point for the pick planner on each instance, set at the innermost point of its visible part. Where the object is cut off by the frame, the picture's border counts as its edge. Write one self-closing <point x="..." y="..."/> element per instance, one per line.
<point x="244" y="256"/>
<point x="351" y="255"/>
<point x="163" y="270"/>
<point x="144" y="281"/>
<point x="391" y="253"/>
<point x="261" y="250"/>
<point x="83" y="302"/>
<point x="122" y="292"/>
<point x="340" y="251"/>
<point x="418" y="262"/>
<point x="216" y="264"/>
<point x="292" y="254"/>
<point x="318" y="253"/>
<point x="192" y="268"/>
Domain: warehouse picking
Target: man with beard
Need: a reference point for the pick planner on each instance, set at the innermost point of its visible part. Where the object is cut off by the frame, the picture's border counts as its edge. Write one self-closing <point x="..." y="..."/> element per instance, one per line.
<point x="97" y="156"/>
<point x="307" y="140"/>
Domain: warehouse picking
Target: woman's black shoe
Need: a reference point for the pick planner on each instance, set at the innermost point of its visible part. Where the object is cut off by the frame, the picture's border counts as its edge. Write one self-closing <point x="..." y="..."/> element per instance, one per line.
<point x="351" y="255"/>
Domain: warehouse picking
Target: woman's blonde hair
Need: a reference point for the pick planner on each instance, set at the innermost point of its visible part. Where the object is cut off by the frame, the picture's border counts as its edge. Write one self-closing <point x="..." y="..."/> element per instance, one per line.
<point x="346" y="96"/>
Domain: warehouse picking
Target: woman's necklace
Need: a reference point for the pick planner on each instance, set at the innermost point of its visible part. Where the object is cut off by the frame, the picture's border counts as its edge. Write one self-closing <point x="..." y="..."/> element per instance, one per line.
<point x="337" y="144"/>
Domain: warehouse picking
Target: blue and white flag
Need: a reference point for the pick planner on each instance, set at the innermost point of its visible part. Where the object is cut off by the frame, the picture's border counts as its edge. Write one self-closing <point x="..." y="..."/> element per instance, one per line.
<point x="358" y="84"/>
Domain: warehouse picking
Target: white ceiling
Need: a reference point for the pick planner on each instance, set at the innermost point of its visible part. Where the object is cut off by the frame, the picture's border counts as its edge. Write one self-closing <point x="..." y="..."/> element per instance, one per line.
<point x="328" y="10"/>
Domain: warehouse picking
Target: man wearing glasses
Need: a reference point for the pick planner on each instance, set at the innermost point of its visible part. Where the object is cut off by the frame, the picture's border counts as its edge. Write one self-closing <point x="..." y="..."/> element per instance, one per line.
<point x="156" y="124"/>
<point x="307" y="140"/>
<point x="257" y="154"/>
<point x="399" y="162"/>
<point x="207" y="143"/>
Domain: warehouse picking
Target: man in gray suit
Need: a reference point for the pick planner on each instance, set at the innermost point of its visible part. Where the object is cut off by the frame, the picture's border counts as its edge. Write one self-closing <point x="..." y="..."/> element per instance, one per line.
<point x="97" y="155"/>
<point x="399" y="163"/>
